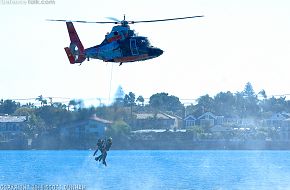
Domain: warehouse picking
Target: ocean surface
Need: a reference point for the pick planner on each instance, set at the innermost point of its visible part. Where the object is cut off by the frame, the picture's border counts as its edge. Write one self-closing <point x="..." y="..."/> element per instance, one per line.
<point x="64" y="170"/>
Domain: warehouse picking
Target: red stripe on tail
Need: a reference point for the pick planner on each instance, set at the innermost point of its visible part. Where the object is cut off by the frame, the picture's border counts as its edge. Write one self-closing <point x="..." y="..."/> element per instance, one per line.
<point x="73" y="35"/>
<point x="69" y="55"/>
<point x="74" y="55"/>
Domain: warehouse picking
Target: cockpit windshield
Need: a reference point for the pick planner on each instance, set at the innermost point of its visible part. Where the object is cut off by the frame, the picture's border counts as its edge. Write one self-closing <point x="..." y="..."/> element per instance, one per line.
<point x="143" y="42"/>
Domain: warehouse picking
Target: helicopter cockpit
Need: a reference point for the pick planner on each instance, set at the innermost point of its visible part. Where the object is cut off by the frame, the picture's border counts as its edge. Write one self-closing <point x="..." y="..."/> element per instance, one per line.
<point x="143" y="42"/>
<point x="119" y="33"/>
<point x="141" y="45"/>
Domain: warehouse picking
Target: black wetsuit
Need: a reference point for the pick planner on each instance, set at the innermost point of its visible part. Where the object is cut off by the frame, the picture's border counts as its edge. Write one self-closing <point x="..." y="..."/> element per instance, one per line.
<point x="105" y="147"/>
<point x="108" y="145"/>
<point x="99" y="147"/>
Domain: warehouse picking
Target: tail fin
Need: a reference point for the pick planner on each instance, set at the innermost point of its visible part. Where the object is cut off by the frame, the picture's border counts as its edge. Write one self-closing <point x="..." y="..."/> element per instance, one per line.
<point x="75" y="52"/>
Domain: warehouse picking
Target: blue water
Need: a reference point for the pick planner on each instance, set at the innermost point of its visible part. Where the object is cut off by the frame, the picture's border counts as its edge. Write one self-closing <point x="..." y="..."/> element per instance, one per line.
<point x="148" y="169"/>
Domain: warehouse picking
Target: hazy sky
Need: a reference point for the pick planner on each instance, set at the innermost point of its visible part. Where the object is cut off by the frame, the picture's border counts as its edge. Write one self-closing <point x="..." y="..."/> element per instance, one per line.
<point x="238" y="41"/>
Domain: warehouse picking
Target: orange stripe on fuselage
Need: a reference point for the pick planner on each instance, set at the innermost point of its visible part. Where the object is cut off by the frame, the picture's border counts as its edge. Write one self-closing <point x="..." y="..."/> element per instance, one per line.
<point x="132" y="58"/>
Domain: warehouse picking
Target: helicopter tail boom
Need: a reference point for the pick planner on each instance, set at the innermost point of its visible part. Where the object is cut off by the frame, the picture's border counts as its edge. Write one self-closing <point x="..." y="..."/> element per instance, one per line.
<point x="75" y="52"/>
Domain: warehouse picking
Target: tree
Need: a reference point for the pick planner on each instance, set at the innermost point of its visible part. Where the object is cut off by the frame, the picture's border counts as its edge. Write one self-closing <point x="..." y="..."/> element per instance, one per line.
<point x="50" y="101"/>
<point x="118" y="129"/>
<point x="240" y="108"/>
<point x="59" y="105"/>
<point x="29" y="105"/>
<point x="85" y="113"/>
<point x="275" y="105"/>
<point x="161" y="101"/>
<point x="224" y="103"/>
<point x="54" y="116"/>
<point x="76" y="104"/>
<point x="41" y="100"/>
<point x="141" y="100"/>
<point x="8" y="106"/>
<point x="129" y="100"/>
<point x="263" y="94"/>
<point x="80" y="104"/>
<point x="250" y="101"/>
<point x="205" y="104"/>
<point x="191" y="110"/>
<point x="249" y="91"/>
<point x="35" y="124"/>
<point x="73" y="103"/>
<point x="157" y="100"/>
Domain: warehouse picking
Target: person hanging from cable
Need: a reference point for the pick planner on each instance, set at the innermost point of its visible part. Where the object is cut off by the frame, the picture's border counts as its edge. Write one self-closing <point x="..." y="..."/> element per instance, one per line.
<point x="99" y="147"/>
<point x="104" y="147"/>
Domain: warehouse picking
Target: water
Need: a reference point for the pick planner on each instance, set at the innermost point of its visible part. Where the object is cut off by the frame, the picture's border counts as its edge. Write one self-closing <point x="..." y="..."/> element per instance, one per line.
<point x="140" y="170"/>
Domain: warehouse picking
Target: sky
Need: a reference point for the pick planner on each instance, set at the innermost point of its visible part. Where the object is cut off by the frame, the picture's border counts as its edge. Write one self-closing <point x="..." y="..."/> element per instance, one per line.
<point x="237" y="41"/>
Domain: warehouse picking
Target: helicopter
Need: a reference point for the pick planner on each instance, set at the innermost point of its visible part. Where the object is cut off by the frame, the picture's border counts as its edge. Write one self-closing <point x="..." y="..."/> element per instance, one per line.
<point x="121" y="45"/>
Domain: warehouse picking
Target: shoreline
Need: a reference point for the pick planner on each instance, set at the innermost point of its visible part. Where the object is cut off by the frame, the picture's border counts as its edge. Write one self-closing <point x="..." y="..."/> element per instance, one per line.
<point x="165" y="145"/>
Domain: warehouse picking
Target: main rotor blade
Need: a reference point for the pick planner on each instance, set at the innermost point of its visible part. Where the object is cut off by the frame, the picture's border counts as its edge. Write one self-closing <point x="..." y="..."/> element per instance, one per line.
<point x="119" y="22"/>
<point x="113" y="18"/>
<point x="161" y="20"/>
<point x="81" y="21"/>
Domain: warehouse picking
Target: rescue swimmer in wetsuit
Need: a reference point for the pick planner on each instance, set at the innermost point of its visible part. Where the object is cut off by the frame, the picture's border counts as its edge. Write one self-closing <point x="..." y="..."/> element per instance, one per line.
<point x="103" y="146"/>
<point x="99" y="147"/>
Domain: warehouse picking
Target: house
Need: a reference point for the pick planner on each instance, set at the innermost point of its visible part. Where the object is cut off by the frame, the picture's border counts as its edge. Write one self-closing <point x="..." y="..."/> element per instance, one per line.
<point x="189" y="121"/>
<point x="12" y="131"/>
<point x="178" y="123"/>
<point x="285" y="130"/>
<point x="208" y="119"/>
<point x="277" y="120"/>
<point x="160" y="135"/>
<point x="235" y="121"/>
<point x="155" y="121"/>
<point x="85" y="133"/>
<point x="232" y="121"/>
<point x="281" y="123"/>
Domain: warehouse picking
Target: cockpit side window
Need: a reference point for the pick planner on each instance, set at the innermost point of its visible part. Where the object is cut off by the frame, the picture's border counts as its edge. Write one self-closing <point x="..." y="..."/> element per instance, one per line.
<point x="144" y="42"/>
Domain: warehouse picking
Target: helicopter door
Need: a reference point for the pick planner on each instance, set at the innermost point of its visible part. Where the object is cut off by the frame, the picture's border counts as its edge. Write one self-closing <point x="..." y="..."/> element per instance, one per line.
<point x="133" y="47"/>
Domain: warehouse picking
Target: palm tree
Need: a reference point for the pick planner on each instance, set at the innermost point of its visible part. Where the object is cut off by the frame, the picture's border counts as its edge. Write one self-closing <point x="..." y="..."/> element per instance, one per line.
<point x="72" y="103"/>
<point x="50" y="101"/>
<point x="41" y="100"/>
<point x="44" y="102"/>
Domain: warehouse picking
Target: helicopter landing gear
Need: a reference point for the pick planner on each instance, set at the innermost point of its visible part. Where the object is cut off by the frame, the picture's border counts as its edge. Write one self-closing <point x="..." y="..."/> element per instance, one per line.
<point x="120" y="63"/>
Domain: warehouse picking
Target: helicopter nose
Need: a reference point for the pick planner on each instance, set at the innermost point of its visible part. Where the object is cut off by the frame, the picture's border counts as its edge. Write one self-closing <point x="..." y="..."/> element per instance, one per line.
<point x="155" y="52"/>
